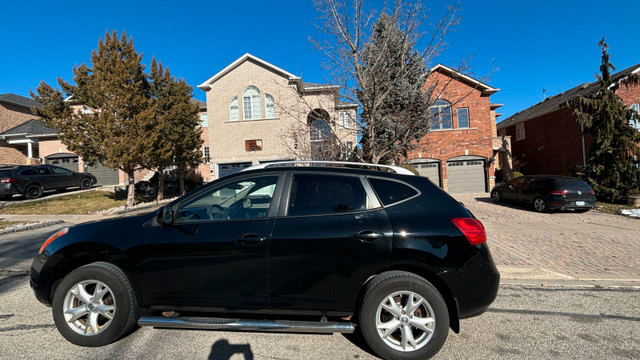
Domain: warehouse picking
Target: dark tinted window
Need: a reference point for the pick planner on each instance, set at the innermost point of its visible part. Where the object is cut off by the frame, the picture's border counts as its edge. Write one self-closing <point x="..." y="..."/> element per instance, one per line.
<point x="390" y="192"/>
<point x="44" y="171"/>
<point x="572" y="185"/>
<point x="325" y="194"/>
<point x="61" y="171"/>
<point x="28" y="172"/>
<point x="5" y="173"/>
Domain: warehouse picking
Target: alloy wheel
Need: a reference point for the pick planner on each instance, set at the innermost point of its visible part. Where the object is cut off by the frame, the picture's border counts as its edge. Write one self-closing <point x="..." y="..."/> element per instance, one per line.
<point x="89" y="307"/>
<point x="405" y="321"/>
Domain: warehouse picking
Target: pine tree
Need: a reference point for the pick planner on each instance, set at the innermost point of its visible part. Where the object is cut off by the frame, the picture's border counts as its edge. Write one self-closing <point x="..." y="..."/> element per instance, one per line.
<point x="611" y="169"/>
<point x="177" y="136"/>
<point x="116" y="130"/>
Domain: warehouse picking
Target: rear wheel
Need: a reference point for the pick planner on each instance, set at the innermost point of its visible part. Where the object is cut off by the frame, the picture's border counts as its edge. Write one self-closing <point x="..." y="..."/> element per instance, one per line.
<point x="33" y="191"/>
<point x="403" y="316"/>
<point x="94" y="305"/>
<point x="496" y="196"/>
<point x="540" y="205"/>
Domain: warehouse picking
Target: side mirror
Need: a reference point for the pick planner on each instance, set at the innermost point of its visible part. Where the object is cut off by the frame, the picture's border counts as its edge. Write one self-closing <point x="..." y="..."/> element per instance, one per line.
<point x="165" y="215"/>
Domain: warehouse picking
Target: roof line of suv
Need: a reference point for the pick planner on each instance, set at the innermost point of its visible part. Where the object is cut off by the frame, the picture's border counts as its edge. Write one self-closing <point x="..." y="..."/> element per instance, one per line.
<point x="345" y="164"/>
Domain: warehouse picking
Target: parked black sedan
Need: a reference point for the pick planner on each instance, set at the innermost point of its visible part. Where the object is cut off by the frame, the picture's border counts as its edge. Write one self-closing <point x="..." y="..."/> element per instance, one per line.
<point x="32" y="181"/>
<point x="285" y="249"/>
<point x="547" y="192"/>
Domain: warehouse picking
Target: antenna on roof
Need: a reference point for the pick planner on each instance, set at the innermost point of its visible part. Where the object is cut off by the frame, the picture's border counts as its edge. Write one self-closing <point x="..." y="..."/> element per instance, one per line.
<point x="544" y="93"/>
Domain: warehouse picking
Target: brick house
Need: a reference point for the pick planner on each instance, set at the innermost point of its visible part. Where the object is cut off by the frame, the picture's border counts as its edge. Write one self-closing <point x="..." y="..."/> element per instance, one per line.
<point x="260" y="113"/>
<point x="15" y="110"/>
<point x="459" y="152"/>
<point x="547" y="139"/>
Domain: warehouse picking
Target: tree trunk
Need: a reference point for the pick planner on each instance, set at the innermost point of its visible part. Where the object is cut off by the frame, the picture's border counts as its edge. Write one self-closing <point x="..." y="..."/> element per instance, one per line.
<point x="160" y="184"/>
<point x="131" y="189"/>
<point x="181" y="173"/>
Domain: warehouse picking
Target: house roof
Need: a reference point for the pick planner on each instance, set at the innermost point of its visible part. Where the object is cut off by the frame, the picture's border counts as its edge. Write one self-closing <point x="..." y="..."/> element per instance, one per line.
<point x="486" y="89"/>
<point x="553" y="103"/>
<point x="19" y="100"/>
<point x="201" y="104"/>
<point x="31" y="128"/>
<point x="246" y="57"/>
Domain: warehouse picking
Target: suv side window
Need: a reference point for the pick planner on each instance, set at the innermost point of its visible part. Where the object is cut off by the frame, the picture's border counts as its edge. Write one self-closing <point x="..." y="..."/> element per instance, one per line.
<point x="28" y="172"/>
<point x="390" y="192"/>
<point x="59" y="170"/>
<point x="313" y="194"/>
<point x="242" y="199"/>
<point x="44" y="171"/>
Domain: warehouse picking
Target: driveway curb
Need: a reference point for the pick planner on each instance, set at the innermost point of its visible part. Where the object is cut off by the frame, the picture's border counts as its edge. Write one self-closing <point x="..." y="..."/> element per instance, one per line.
<point x="32" y="226"/>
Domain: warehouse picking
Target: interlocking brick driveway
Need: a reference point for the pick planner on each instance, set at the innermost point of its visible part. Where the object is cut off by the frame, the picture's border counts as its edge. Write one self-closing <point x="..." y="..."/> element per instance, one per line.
<point x="586" y="246"/>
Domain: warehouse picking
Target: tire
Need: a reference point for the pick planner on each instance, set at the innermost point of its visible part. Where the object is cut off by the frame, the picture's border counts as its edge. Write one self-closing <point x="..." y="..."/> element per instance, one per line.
<point x="112" y="315"/>
<point x="428" y="321"/>
<point x="85" y="183"/>
<point x="540" y="205"/>
<point x="33" y="191"/>
<point x="496" y="196"/>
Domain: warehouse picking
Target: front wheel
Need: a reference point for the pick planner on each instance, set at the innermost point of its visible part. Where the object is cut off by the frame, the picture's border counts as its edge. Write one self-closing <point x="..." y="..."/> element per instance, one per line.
<point x="94" y="305"/>
<point x="85" y="184"/>
<point x="540" y="205"/>
<point x="403" y="316"/>
<point x="496" y="196"/>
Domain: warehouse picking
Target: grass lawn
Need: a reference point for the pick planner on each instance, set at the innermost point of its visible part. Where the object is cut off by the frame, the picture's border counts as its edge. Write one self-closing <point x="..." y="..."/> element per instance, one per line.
<point x="611" y="208"/>
<point x="72" y="204"/>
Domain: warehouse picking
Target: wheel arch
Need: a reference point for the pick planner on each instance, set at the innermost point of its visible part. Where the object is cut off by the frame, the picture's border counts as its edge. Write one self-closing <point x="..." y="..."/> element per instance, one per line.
<point x="430" y="276"/>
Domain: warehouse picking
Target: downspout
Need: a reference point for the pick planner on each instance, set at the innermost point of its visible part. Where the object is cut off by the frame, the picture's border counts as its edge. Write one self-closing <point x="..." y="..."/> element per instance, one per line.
<point x="584" y="154"/>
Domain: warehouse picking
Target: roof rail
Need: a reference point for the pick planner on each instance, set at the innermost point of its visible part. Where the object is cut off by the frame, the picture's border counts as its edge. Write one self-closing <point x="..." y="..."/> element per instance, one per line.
<point x="346" y="164"/>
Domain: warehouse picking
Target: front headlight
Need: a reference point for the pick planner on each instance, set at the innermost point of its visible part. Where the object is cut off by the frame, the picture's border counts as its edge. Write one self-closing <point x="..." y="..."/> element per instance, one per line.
<point x="53" y="237"/>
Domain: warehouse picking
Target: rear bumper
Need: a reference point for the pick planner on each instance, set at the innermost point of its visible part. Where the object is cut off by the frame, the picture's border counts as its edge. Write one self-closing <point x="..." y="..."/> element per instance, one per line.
<point x="475" y="284"/>
<point x="556" y="204"/>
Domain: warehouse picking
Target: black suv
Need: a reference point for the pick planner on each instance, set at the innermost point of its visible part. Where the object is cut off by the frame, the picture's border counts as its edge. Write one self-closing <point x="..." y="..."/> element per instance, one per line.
<point x="32" y="181"/>
<point x="287" y="249"/>
<point x="547" y="192"/>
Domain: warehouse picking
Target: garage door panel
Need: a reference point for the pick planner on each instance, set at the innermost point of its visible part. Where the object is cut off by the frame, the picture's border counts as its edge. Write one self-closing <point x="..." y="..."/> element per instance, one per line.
<point x="466" y="177"/>
<point x="429" y="170"/>
<point x="104" y="175"/>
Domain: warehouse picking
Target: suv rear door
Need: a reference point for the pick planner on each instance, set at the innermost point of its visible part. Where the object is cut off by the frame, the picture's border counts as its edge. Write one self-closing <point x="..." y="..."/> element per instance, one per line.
<point x="331" y="234"/>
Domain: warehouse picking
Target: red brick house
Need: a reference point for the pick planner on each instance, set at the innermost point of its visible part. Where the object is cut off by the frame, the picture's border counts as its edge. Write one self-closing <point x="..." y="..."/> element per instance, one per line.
<point x="15" y="110"/>
<point x="547" y="139"/>
<point x="459" y="152"/>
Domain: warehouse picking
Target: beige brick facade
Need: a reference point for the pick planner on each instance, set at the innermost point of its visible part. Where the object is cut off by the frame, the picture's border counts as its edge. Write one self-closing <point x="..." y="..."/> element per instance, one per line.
<point x="293" y="102"/>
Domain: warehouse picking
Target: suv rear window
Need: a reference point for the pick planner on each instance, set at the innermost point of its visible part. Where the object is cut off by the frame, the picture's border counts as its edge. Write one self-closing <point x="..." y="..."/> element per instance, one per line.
<point x="325" y="194"/>
<point x="5" y="174"/>
<point x="572" y="185"/>
<point x="391" y="192"/>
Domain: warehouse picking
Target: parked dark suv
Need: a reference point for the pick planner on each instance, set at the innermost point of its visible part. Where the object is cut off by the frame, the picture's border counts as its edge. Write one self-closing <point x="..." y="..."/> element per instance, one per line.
<point x="282" y="248"/>
<point x="547" y="192"/>
<point x="32" y="181"/>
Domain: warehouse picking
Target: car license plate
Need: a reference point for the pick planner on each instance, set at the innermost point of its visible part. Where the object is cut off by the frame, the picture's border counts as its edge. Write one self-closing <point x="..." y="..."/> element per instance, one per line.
<point x="579" y="203"/>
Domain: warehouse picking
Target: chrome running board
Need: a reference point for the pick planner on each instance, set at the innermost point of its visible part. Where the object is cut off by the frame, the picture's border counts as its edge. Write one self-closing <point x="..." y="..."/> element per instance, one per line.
<point x="204" y="323"/>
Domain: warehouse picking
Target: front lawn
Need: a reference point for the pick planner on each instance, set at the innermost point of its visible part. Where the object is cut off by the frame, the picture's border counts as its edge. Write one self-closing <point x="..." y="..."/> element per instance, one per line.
<point x="72" y="204"/>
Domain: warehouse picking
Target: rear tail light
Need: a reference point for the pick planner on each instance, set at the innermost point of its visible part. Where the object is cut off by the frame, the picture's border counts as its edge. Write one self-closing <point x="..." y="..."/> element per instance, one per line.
<point x="560" y="192"/>
<point x="8" y="181"/>
<point x="53" y="237"/>
<point x="592" y="192"/>
<point x="472" y="229"/>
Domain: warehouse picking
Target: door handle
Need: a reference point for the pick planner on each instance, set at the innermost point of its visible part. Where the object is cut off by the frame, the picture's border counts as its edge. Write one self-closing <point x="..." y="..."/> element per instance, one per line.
<point x="251" y="239"/>
<point x="367" y="235"/>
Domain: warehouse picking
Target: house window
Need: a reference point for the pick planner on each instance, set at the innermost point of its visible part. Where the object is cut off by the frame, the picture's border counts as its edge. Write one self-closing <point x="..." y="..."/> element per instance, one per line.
<point x="270" y="106"/>
<point x="520" y="131"/>
<point x="253" y="145"/>
<point x="441" y="115"/>
<point x="344" y="119"/>
<point x="204" y="119"/>
<point x="251" y="103"/>
<point x="634" y="122"/>
<point x="463" y="117"/>
<point x="207" y="155"/>
<point x="233" y="109"/>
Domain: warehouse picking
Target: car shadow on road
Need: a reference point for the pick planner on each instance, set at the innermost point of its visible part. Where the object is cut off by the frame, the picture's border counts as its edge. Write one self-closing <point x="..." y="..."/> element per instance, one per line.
<point x="358" y="340"/>
<point x="223" y="350"/>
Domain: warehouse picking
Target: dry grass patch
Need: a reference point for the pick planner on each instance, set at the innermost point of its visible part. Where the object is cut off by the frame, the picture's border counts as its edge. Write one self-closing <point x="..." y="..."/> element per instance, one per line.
<point x="611" y="208"/>
<point x="72" y="204"/>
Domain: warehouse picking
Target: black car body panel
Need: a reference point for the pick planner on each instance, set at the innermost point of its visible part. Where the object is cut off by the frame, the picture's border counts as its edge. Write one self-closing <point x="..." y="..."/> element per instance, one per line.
<point x="267" y="253"/>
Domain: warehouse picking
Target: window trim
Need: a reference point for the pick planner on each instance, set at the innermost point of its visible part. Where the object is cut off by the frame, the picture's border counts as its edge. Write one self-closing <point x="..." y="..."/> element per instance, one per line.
<point x="269" y="102"/>
<point x="468" y="118"/>
<point x="520" y="134"/>
<point x="237" y="109"/>
<point x="439" y="116"/>
<point x="252" y="105"/>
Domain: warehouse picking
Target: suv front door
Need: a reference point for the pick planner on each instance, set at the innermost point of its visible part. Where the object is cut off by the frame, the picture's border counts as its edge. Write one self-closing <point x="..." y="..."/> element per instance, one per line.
<point x="327" y="241"/>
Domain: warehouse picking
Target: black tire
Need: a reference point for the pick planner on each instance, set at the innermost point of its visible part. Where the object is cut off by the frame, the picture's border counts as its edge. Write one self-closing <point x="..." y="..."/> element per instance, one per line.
<point x="496" y="196"/>
<point x="431" y="311"/>
<point x="85" y="183"/>
<point x="540" y="205"/>
<point x="33" y="191"/>
<point x="117" y="301"/>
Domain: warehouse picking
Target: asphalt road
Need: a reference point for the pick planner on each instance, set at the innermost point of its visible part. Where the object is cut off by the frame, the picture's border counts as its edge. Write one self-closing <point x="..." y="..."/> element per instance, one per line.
<point x="525" y="322"/>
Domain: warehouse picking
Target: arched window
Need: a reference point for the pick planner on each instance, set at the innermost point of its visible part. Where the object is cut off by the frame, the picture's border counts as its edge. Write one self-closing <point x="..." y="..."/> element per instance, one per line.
<point x="270" y="106"/>
<point x="319" y="130"/>
<point x="441" y="115"/>
<point x="251" y="103"/>
<point x="233" y="109"/>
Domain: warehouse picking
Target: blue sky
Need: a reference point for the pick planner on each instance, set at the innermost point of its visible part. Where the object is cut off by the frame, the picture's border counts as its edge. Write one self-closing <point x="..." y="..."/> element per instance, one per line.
<point x="523" y="46"/>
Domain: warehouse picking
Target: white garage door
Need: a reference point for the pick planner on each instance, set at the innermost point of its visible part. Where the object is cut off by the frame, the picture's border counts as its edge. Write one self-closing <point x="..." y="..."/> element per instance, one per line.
<point x="430" y="170"/>
<point x="466" y="176"/>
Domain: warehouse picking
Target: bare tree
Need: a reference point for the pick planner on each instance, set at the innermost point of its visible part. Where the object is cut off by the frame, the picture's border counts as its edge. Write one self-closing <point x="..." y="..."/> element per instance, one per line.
<point x="372" y="57"/>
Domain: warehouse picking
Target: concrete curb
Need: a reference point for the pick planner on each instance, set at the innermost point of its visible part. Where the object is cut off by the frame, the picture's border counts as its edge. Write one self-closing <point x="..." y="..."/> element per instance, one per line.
<point x="16" y="229"/>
